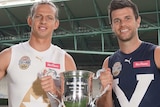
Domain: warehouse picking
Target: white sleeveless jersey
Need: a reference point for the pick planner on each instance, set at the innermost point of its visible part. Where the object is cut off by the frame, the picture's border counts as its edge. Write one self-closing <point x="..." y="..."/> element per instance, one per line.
<point x="24" y="89"/>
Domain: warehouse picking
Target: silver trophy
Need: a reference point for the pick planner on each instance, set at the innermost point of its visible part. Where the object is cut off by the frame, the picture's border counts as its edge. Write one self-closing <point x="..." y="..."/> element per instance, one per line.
<point x="77" y="89"/>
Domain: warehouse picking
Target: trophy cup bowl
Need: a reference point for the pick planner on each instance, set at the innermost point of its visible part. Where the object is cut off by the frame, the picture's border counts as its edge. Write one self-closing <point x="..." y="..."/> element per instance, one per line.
<point x="76" y="88"/>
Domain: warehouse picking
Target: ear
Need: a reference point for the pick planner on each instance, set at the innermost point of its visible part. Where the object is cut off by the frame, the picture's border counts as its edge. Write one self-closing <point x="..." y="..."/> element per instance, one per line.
<point x="56" y="24"/>
<point x="138" y="21"/>
<point x="29" y="21"/>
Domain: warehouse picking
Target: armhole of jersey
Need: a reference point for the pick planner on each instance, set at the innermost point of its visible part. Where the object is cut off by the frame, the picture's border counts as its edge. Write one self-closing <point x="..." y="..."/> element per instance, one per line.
<point x="109" y="58"/>
<point x="64" y="55"/>
<point x="11" y="64"/>
<point x="61" y="54"/>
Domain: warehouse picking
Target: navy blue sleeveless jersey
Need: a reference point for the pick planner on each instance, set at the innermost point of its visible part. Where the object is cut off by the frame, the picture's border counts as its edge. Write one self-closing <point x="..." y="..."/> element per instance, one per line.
<point x="136" y="78"/>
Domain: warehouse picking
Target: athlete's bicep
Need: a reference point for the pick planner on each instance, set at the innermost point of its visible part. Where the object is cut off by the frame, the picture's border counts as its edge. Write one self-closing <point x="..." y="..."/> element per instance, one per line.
<point x="69" y="63"/>
<point x="157" y="56"/>
<point x="105" y="63"/>
<point x="5" y="56"/>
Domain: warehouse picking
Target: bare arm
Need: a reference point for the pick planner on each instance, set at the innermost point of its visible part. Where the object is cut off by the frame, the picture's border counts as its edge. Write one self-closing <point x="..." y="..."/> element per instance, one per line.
<point x="69" y="63"/>
<point x="106" y="78"/>
<point x="157" y="56"/>
<point x="5" y="56"/>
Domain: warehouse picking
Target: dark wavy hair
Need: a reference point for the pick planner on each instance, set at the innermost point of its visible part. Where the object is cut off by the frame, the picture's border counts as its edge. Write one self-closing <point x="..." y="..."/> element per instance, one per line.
<point x="119" y="4"/>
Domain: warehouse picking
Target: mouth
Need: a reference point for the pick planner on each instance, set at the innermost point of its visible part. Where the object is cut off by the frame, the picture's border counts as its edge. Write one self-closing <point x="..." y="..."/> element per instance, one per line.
<point x="124" y="30"/>
<point x="42" y="28"/>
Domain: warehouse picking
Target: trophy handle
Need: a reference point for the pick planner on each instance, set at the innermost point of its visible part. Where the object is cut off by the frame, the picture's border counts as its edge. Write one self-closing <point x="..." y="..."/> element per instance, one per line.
<point x="98" y="73"/>
<point x="55" y="76"/>
<point x="103" y="92"/>
<point x="55" y="97"/>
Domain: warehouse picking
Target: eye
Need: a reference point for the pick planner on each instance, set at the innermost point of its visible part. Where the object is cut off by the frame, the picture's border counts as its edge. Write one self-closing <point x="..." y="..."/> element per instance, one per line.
<point x="116" y="21"/>
<point x="51" y="18"/>
<point x="127" y="18"/>
<point x="37" y="16"/>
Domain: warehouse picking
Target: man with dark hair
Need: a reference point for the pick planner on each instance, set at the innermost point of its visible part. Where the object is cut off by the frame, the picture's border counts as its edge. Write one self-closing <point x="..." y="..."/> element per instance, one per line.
<point x="135" y="66"/>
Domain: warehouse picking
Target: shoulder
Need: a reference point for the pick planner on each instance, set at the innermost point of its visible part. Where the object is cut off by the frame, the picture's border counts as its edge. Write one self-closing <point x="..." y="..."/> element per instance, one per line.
<point x="5" y="57"/>
<point x="68" y="56"/>
<point x="19" y="46"/>
<point x="105" y="63"/>
<point x="5" y="53"/>
<point x="149" y="46"/>
<point x="157" y="56"/>
<point x="57" y="49"/>
<point x="69" y="62"/>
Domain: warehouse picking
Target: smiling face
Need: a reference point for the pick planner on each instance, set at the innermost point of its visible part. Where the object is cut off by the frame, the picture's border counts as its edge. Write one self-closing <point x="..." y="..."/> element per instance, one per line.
<point x="43" y="22"/>
<point x="124" y="24"/>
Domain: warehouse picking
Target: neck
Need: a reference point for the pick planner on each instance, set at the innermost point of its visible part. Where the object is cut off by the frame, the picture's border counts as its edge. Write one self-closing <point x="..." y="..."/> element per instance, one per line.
<point x="40" y="44"/>
<point x="129" y="46"/>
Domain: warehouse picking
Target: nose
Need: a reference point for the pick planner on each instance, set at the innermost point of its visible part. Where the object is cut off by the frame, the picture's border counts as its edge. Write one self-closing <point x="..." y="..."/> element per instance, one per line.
<point x="123" y="22"/>
<point x="43" y="20"/>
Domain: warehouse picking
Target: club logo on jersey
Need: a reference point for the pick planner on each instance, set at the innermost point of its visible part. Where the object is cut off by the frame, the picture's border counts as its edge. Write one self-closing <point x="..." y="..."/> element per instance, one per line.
<point x="116" y="69"/>
<point x="24" y="62"/>
<point x="140" y="64"/>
